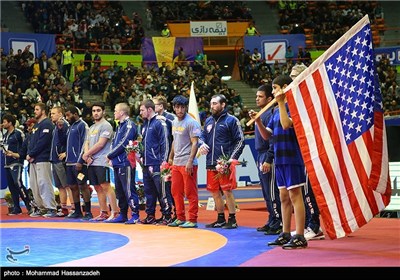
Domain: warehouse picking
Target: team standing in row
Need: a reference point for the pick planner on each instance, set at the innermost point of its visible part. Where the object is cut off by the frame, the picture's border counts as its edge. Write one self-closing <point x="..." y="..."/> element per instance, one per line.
<point x="66" y="150"/>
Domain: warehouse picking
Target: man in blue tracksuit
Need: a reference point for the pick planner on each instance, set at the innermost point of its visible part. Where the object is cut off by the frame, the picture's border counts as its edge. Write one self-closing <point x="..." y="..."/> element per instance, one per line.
<point x="155" y="143"/>
<point x="124" y="174"/>
<point x="160" y="103"/>
<point x="222" y="136"/>
<point x="76" y="171"/>
<point x="266" y="170"/>
<point x="12" y="144"/>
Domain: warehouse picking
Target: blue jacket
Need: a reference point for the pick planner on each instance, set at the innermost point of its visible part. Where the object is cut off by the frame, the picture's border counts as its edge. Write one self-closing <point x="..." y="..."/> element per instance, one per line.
<point x="155" y="139"/>
<point x="56" y="146"/>
<point x="169" y="118"/>
<point x="74" y="140"/>
<point x="126" y="131"/>
<point x="224" y="135"/>
<point x="39" y="145"/>
<point x="263" y="147"/>
<point x="14" y="141"/>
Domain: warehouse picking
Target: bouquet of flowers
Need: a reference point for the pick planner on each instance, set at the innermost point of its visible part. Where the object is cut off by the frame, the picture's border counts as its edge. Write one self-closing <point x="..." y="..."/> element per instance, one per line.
<point x="133" y="151"/>
<point x="226" y="167"/>
<point x="165" y="171"/>
<point x="140" y="193"/>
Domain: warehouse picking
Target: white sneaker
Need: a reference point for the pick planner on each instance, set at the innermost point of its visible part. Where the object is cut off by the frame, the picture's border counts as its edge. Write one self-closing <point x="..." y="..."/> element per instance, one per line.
<point x="309" y="234"/>
<point x="292" y="233"/>
<point x="35" y="214"/>
<point x="112" y="216"/>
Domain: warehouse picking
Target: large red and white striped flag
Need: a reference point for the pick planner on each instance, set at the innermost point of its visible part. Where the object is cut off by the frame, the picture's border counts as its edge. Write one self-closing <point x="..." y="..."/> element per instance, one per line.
<point x="337" y="112"/>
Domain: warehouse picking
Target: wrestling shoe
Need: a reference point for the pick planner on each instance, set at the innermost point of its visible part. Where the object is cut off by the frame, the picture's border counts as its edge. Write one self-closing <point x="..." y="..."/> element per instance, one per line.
<point x="216" y="224"/>
<point x="282" y="239"/>
<point x="176" y="223"/>
<point x="296" y="242"/>
<point x="231" y="224"/>
<point x="149" y="220"/>
<point x="188" y="225"/>
<point x="134" y="220"/>
<point x="119" y="219"/>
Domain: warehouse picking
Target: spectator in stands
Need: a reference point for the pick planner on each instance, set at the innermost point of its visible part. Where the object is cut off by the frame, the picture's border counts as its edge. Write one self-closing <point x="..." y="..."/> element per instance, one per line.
<point x="165" y="32"/>
<point x="33" y="94"/>
<point x="97" y="60"/>
<point x="256" y="57"/>
<point x="149" y="19"/>
<point x="251" y="30"/>
<point x="241" y="63"/>
<point x="289" y="55"/>
<point x="36" y="68"/>
<point x="181" y="58"/>
<point x="116" y="44"/>
<point x="199" y="58"/>
<point x="88" y="59"/>
<point x="67" y="58"/>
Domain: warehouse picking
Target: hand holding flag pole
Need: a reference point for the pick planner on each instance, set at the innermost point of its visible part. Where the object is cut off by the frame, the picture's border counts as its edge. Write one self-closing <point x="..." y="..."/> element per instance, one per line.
<point x="266" y="107"/>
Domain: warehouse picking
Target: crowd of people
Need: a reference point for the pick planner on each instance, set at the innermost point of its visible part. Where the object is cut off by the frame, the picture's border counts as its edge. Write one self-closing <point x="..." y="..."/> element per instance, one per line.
<point x="110" y="29"/>
<point x="86" y="25"/>
<point x="332" y="20"/>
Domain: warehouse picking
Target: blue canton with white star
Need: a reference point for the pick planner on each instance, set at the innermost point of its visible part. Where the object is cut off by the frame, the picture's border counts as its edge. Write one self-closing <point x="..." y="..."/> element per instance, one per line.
<point x="352" y="75"/>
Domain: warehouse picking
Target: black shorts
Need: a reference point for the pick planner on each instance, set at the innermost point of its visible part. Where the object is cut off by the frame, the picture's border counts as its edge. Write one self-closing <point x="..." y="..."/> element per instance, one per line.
<point x="72" y="175"/>
<point x="98" y="175"/>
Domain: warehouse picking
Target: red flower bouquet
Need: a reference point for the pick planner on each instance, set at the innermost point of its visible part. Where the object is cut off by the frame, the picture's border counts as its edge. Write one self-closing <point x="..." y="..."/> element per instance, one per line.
<point x="165" y="171"/>
<point x="133" y="151"/>
<point x="227" y="167"/>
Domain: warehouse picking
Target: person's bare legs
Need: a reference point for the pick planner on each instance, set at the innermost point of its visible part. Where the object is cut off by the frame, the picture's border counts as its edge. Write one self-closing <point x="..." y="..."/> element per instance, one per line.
<point x="101" y="196"/>
<point x="112" y="199"/>
<point x="70" y="197"/>
<point x="286" y="208"/>
<point x="296" y="197"/>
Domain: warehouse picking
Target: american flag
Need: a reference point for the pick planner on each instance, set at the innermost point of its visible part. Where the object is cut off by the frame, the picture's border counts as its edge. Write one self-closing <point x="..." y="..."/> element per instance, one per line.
<point x="337" y="112"/>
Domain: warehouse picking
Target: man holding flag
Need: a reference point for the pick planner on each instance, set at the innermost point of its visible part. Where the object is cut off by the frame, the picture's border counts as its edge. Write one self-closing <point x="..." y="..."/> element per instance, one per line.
<point x="337" y="113"/>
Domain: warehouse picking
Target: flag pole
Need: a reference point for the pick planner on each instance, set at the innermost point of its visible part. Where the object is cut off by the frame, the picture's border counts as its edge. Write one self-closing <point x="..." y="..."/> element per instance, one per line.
<point x="265" y="108"/>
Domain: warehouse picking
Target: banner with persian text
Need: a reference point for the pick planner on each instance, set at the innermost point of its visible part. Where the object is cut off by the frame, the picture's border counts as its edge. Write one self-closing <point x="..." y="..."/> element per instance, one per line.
<point x="392" y="53"/>
<point x="208" y="28"/>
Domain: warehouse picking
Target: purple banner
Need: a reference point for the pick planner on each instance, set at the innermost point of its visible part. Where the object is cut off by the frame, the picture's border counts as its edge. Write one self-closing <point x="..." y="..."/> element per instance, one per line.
<point x="160" y="49"/>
